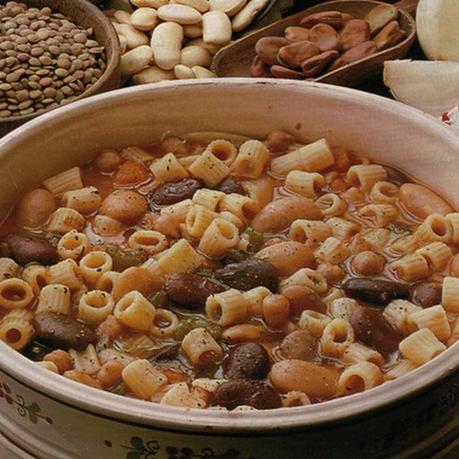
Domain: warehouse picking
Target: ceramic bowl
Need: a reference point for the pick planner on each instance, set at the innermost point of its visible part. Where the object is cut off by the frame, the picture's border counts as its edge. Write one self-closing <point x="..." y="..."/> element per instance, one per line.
<point x="56" y="418"/>
<point x="87" y="15"/>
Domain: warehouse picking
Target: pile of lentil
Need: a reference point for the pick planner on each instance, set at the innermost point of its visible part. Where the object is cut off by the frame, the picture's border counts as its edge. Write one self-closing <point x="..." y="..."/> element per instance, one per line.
<point x="45" y="60"/>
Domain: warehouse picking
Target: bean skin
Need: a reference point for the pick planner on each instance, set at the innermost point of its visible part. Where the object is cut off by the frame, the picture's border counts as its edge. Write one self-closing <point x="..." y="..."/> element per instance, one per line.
<point x="35" y="208"/>
<point x="375" y="291"/>
<point x="426" y="294"/>
<point x="173" y="192"/>
<point x="422" y="202"/>
<point x="299" y="345"/>
<point x="302" y="298"/>
<point x="125" y="206"/>
<point x="26" y="249"/>
<point x="247" y="361"/>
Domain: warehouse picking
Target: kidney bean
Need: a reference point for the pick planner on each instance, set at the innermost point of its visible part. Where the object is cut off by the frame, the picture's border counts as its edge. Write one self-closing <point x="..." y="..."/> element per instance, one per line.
<point x="281" y="213"/>
<point x="126" y="206"/>
<point x="371" y="328"/>
<point x="26" y="249"/>
<point x="295" y="33"/>
<point x="354" y="33"/>
<point x="190" y="290"/>
<point x="354" y="54"/>
<point x="259" y="69"/>
<point x="390" y="35"/>
<point x="375" y="291"/>
<point x="299" y="345"/>
<point x="278" y="141"/>
<point x="318" y="382"/>
<point x="63" y="332"/>
<point x="422" y="202"/>
<point x="301" y="298"/>
<point x="247" y="361"/>
<point x="268" y="47"/>
<point x="173" y="192"/>
<point x="316" y="64"/>
<point x="287" y="257"/>
<point x="279" y="71"/>
<point x="236" y="392"/>
<point x="295" y="54"/>
<point x="35" y="208"/>
<point x="426" y="294"/>
<point x="325" y="37"/>
<point x="332" y="18"/>
<point x="229" y="185"/>
<point x="248" y="274"/>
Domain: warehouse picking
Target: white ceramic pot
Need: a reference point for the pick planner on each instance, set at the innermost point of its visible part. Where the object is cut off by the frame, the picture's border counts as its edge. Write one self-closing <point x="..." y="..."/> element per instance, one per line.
<point x="56" y="418"/>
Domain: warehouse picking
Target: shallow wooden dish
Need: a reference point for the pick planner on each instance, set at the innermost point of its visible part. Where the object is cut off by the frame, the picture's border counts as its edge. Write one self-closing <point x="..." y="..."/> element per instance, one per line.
<point x="235" y="60"/>
<point x="87" y="15"/>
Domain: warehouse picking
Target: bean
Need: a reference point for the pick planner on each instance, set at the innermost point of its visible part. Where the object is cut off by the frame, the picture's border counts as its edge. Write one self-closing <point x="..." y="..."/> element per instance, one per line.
<point x="248" y="274"/>
<point x="135" y="60"/>
<point x="166" y="42"/>
<point x="125" y="206"/>
<point x="173" y="192"/>
<point x="167" y="225"/>
<point x="324" y="37"/>
<point x="202" y="72"/>
<point x="422" y="202"/>
<point x="318" y="382"/>
<point x="134" y="37"/>
<point x="190" y="290"/>
<point x="193" y="31"/>
<point x="144" y="19"/>
<point x="316" y="64"/>
<point x="375" y="291"/>
<point x="182" y="72"/>
<point x="136" y="278"/>
<point x="63" y="332"/>
<point x="259" y="69"/>
<point x="123" y="258"/>
<point x="368" y="263"/>
<point x="302" y="298"/>
<point x="354" y="33"/>
<point x="108" y="161"/>
<point x="276" y="310"/>
<point x="247" y="361"/>
<point x="237" y="392"/>
<point x="332" y="18"/>
<point x="229" y="7"/>
<point x="371" y="328"/>
<point x="267" y="48"/>
<point x="389" y="36"/>
<point x="195" y="55"/>
<point x="299" y="345"/>
<point x="110" y="374"/>
<point x="354" y="54"/>
<point x="426" y="294"/>
<point x="216" y="28"/>
<point x="279" y="141"/>
<point x="247" y="14"/>
<point x="229" y="185"/>
<point x="295" y="54"/>
<point x="281" y="213"/>
<point x="82" y="378"/>
<point x="180" y="14"/>
<point x="152" y="74"/>
<point x="242" y="332"/>
<point x="380" y="16"/>
<point x="294" y="33"/>
<point x="35" y="208"/>
<point x="26" y="249"/>
<point x="61" y="359"/>
<point x="201" y="5"/>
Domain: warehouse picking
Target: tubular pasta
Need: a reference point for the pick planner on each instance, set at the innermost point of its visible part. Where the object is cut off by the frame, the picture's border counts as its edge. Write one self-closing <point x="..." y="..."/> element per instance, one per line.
<point x="15" y="294"/>
<point x="365" y="176"/>
<point x="251" y="159"/>
<point x="421" y="346"/>
<point x="336" y="337"/>
<point x="227" y="308"/>
<point x="200" y="347"/>
<point x="168" y="169"/>
<point x="359" y="377"/>
<point x="331" y="205"/>
<point x="65" y="181"/>
<point x="55" y="298"/>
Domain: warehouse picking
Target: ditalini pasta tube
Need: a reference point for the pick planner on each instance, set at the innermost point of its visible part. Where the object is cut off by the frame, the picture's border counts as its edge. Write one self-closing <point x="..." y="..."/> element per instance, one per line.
<point x="143" y="379"/>
<point x="218" y="238"/>
<point x="200" y="347"/>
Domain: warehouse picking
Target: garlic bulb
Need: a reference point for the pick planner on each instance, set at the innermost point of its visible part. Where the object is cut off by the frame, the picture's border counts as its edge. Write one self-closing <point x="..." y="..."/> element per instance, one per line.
<point x="431" y="86"/>
<point x="437" y="28"/>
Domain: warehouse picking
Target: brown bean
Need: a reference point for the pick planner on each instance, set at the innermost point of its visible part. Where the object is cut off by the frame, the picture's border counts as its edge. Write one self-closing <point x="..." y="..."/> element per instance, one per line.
<point x="35" y="208"/>
<point x="295" y="33"/>
<point x="259" y="69"/>
<point x="391" y="35"/>
<point x="278" y="141"/>
<point x="276" y="310"/>
<point x="237" y="392"/>
<point x="281" y="213"/>
<point x="279" y="71"/>
<point x="125" y="206"/>
<point x="331" y="273"/>
<point x="268" y="47"/>
<point x="318" y="382"/>
<point x="375" y="291"/>
<point x="295" y="54"/>
<point x="190" y="290"/>
<point x="426" y="294"/>
<point x="379" y="16"/>
<point x="175" y="145"/>
<point x="287" y="257"/>
<point x="422" y="202"/>
<point x="325" y="37"/>
<point x="332" y="18"/>
<point x="299" y="345"/>
<point x="247" y="361"/>
<point x="302" y="298"/>
<point x="354" y="54"/>
<point x="316" y="64"/>
<point x="173" y="192"/>
<point x="242" y="332"/>
<point x="26" y="249"/>
<point x="229" y="185"/>
<point x="354" y="33"/>
<point x="108" y="161"/>
<point x="371" y="328"/>
<point x="368" y="263"/>
<point x="63" y="332"/>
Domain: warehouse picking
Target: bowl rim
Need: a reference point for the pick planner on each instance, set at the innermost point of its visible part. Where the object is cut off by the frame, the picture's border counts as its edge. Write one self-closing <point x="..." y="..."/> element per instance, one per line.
<point x="112" y="53"/>
<point x="138" y="412"/>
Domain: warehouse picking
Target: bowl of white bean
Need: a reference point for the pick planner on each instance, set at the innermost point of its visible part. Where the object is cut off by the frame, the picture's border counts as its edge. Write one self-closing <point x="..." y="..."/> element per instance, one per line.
<point x="271" y="273"/>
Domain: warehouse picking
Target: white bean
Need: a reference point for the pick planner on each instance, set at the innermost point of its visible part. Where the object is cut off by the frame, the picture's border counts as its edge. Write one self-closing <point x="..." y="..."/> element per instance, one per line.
<point x="213" y="49"/>
<point x="201" y="5"/>
<point x="181" y="14"/>
<point x="144" y="19"/>
<point x="133" y="36"/>
<point x="136" y="59"/>
<point x="202" y="72"/>
<point x="229" y="7"/>
<point x="247" y="14"/>
<point x="149" y="3"/>
<point x="166" y="42"/>
<point x="193" y="31"/>
<point x="195" y="55"/>
<point x="152" y="74"/>
<point x="123" y="17"/>
<point x="123" y="43"/>
<point x="182" y="72"/>
<point x="216" y="28"/>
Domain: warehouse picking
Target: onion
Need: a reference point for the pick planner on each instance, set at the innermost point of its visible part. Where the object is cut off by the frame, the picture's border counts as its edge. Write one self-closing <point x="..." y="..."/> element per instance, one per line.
<point x="437" y="28"/>
<point x="432" y="86"/>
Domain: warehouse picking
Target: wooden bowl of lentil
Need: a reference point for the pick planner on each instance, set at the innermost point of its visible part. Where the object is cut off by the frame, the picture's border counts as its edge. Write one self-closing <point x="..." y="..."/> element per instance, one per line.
<point x="86" y="17"/>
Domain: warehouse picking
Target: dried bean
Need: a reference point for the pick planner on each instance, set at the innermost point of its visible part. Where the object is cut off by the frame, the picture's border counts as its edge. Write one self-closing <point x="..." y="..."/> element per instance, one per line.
<point x="25" y="249"/>
<point x="248" y="360"/>
<point x="300" y="345"/>
<point x="355" y="32"/>
<point x="295" y="54"/>
<point x="375" y="291"/>
<point x="267" y="49"/>
<point x="389" y="36"/>
<point x="316" y="64"/>
<point x="324" y="37"/>
<point x="259" y="69"/>
<point x="332" y="18"/>
<point x="173" y="192"/>
<point x="294" y="33"/>
<point x="354" y="54"/>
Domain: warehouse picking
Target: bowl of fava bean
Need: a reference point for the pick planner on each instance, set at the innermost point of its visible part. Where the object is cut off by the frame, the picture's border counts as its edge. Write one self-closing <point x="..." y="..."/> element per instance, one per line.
<point x="209" y="283"/>
<point x="52" y="53"/>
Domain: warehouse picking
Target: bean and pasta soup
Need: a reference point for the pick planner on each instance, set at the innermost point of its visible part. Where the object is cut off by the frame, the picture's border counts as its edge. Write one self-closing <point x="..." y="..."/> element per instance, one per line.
<point x="220" y="271"/>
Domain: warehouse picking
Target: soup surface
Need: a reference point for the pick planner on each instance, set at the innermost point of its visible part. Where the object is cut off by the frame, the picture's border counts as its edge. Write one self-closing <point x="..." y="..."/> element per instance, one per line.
<point x="215" y="270"/>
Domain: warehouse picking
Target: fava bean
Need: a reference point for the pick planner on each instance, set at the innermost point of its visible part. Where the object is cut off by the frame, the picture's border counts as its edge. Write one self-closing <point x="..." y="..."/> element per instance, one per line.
<point x="354" y="54"/>
<point x="180" y="14"/>
<point x="267" y="49"/>
<point x="380" y="16"/>
<point x="229" y="7"/>
<point x="152" y="74"/>
<point x="422" y="202"/>
<point x="134" y="37"/>
<point x="202" y="72"/>
<point x="260" y="69"/>
<point x="316" y="64"/>
<point x="324" y="37"/>
<point x="279" y="71"/>
<point x="182" y="72"/>
<point x="195" y="55"/>
<point x="173" y="192"/>
<point x="144" y="19"/>
<point x="390" y="35"/>
<point x="295" y="54"/>
<point x="332" y="18"/>
<point x="354" y="33"/>
<point x="294" y="33"/>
